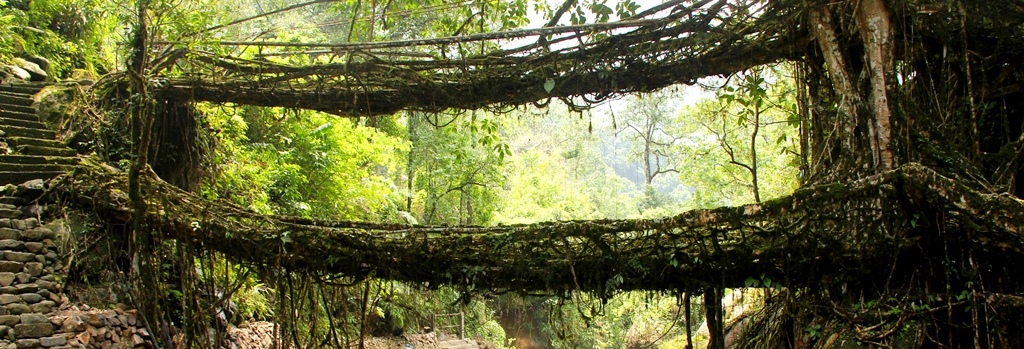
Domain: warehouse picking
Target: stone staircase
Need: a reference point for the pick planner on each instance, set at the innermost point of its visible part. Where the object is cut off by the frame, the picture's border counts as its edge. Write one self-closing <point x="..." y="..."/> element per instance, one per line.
<point x="30" y="149"/>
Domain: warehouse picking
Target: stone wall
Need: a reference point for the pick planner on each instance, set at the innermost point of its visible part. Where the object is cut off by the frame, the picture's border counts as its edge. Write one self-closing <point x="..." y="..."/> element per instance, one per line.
<point x="34" y="313"/>
<point x="29" y="291"/>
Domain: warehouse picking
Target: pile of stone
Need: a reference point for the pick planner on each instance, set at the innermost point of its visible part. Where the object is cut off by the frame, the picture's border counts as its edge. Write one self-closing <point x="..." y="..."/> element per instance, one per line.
<point x="101" y="329"/>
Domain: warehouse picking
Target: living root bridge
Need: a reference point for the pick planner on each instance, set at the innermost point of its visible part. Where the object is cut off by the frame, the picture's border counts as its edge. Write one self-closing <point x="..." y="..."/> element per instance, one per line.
<point x="839" y="232"/>
<point x="693" y="40"/>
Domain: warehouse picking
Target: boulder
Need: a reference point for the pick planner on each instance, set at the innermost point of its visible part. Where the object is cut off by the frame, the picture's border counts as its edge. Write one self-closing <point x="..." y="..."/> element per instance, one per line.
<point x="31" y="188"/>
<point x="36" y="73"/>
<point x="15" y="72"/>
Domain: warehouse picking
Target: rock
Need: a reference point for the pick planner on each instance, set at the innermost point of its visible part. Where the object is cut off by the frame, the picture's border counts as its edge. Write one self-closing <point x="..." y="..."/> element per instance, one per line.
<point x="23" y="278"/>
<point x="33" y="330"/>
<point x="31" y="298"/>
<point x="18" y="308"/>
<point x="11" y="245"/>
<point x="9" y="320"/>
<point x="36" y="234"/>
<point x="34" y="247"/>
<point x="40" y="61"/>
<point x="6" y="278"/>
<point x="44" y="284"/>
<point x="8" y="290"/>
<point x="11" y="267"/>
<point x="9" y="298"/>
<point x="73" y="324"/>
<point x="53" y="341"/>
<point x="137" y="340"/>
<point x="95" y="320"/>
<point x="34" y="319"/>
<point x="43" y="307"/>
<point x="18" y="73"/>
<point x="29" y="343"/>
<point x="34" y="268"/>
<point x="85" y="338"/>
<point x="19" y="224"/>
<point x="30" y="188"/>
<point x="19" y="256"/>
<point x="9" y="234"/>
<point x="27" y="288"/>
<point x="36" y="73"/>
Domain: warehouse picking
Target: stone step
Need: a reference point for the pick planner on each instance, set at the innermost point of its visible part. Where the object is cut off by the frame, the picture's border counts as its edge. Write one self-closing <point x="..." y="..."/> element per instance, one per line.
<point x="22" y="123"/>
<point x="18" y="108"/>
<point x="35" y="159"/>
<point x="16" y="131"/>
<point x="16" y="99"/>
<point x="18" y="115"/>
<point x="19" y="141"/>
<point x="34" y="167"/>
<point x="22" y="177"/>
<point x="44" y="151"/>
<point x="29" y="89"/>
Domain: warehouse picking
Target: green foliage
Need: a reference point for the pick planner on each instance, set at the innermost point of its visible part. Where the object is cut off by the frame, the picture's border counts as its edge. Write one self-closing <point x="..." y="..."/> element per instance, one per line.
<point x="70" y="34"/>
<point x="456" y="169"/>
<point x="720" y="141"/>
<point x="303" y="163"/>
<point x="556" y="172"/>
<point x="10" y="42"/>
<point x="626" y="320"/>
<point x="758" y="282"/>
<point x="813" y="331"/>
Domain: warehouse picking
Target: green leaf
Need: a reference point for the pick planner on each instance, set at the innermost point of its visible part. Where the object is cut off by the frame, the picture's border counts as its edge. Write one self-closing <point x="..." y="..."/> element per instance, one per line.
<point x="549" y="85"/>
<point x="601" y="9"/>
